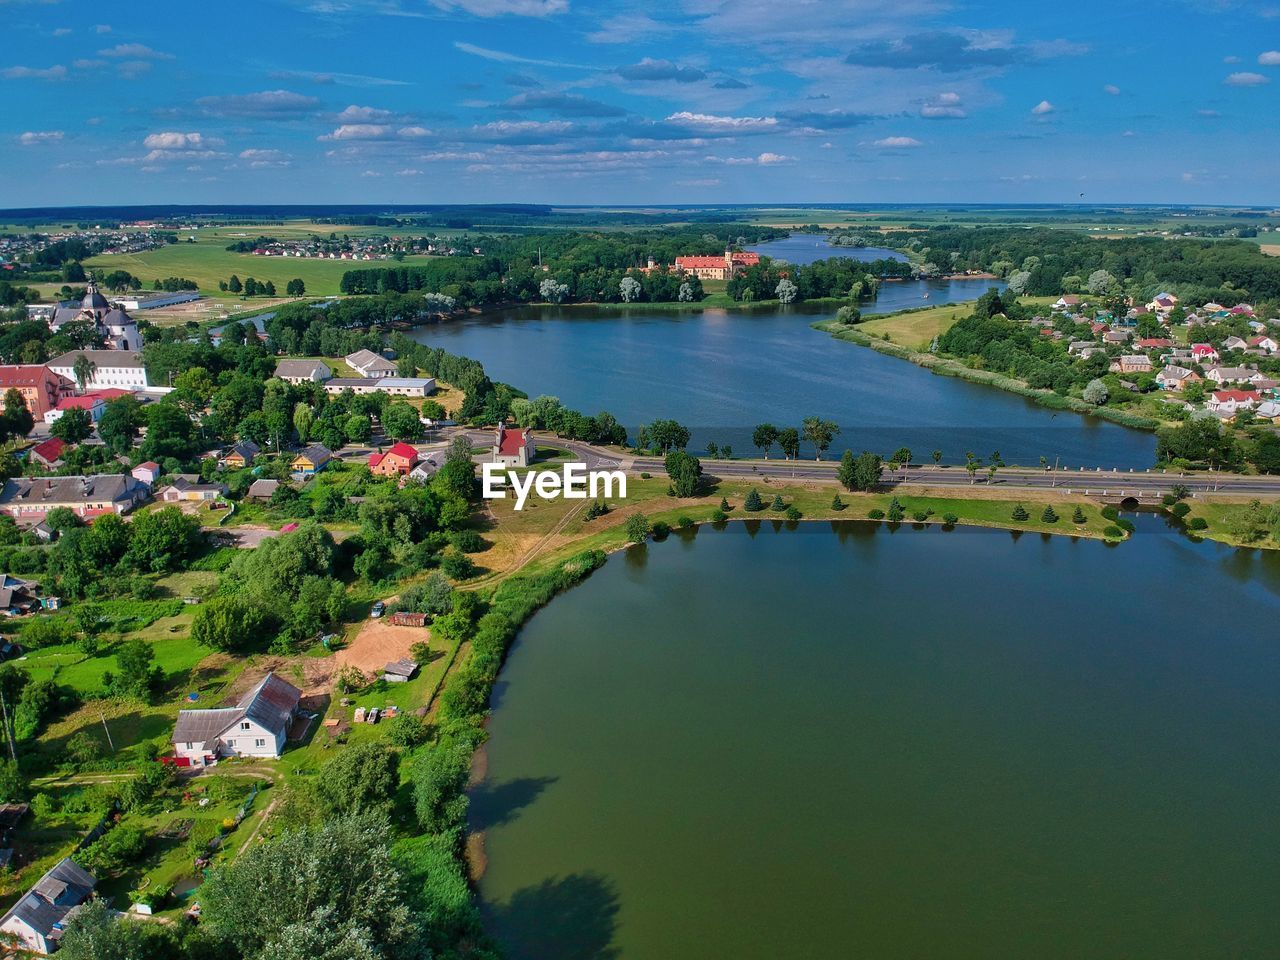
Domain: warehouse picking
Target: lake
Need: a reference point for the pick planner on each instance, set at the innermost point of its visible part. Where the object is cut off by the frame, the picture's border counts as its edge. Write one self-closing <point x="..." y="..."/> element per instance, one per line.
<point x="760" y="743"/>
<point x="720" y="372"/>
<point x="805" y="248"/>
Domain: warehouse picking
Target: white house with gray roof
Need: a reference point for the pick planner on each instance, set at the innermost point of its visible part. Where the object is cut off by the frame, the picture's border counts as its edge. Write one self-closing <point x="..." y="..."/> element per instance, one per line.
<point x="371" y="365"/>
<point x="303" y="371"/>
<point x="37" y="921"/>
<point x="257" y="726"/>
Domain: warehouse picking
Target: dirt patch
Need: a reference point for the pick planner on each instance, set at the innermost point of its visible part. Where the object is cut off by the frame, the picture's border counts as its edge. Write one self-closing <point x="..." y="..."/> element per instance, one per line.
<point x="377" y="644"/>
<point x="312" y="675"/>
<point x="1270" y="249"/>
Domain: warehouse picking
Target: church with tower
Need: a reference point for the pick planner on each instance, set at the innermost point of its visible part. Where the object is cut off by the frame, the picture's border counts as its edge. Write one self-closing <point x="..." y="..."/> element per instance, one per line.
<point x="116" y="329"/>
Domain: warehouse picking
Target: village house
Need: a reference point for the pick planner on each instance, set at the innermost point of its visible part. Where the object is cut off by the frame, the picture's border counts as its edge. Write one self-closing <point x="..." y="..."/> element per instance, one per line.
<point x="1268" y="410"/>
<point x="1116" y="337"/>
<point x="394" y="386"/>
<point x="716" y="268"/>
<point x="1204" y="353"/>
<point x="147" y="472"/>
<point x="1228" y="402"/>
<point x="1173" y="377"/>
<point x="1163" y="304"/>
<point x="40" y="387"/>
<point x="29" y="499"/>
<point x="402" y="671"/>
<point x="189" y="488"/>
<point x="397" y="461"/>
<point x="49" y="453"/>
<point x="1232" y="374"/>
<point x="1153" y="343"/>
<point x="262" y="489"/>
<point x="371" y="365"/>
<point x="311" y="460"/>
<point x="111" y="368"/>
<point x="303" y="371"/>
<point x="241" y="455"/>
<point x="1235" y="343"/>
<point x="18" y="596"/>
<point x="1066" y="302"/>
<point x="427" y="467"/>
<point x="257" y="726"/>
<point x="1135" y="363"/>
<point x="92" y="404"/>
<point x="37" y="921"/>
<point x="1265" y="344"/>
<point x="513" y="448"/>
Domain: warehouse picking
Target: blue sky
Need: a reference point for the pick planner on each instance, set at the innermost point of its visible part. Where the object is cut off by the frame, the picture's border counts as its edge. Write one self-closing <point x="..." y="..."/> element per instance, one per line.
<point x="568" y="101"/>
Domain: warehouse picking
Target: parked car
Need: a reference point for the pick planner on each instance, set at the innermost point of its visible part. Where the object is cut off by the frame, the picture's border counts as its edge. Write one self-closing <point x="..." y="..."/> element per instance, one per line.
<point x="378" y="610"/>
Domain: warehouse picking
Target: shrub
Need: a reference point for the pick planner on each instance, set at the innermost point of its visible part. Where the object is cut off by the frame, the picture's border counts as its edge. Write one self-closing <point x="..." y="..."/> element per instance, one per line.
<point x="660" y="529"/>
<point x="950" y="519"/>
<point x="637" y="528"/>
<point x="1020" y="513"/>
<point x="1198" y="523"/>
<point x="1113" y="533"/>
<point x="1181" y="509"/>
<point x="875" y="514"/>
<point x="1168" y="499"/>
<point x="683" y="522"/>
<point x="467" y="541"/>
<point x="793" y="512"/>
<point x="458" y="566"/>
<point x="597" y="508"/>
<point x="719" y="516"/>
<point x="1111" y="513"/>
<point x="1125" y="525"/>
<point x="896" y="513"/>
<point x="920" y="516"/>
<point x="645" y="475"/>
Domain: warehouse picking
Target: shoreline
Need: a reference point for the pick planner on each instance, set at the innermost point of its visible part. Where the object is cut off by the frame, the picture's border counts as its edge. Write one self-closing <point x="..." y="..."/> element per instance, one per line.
<point x="946" y="367"/>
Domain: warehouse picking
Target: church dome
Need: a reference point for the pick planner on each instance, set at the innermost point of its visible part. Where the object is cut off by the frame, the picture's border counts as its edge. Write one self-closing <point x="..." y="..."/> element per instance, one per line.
<point x="93" y="300"/>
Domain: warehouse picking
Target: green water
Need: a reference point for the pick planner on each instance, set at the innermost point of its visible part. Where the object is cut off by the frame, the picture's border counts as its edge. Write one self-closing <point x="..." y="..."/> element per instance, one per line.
<point x="845" y="742"/>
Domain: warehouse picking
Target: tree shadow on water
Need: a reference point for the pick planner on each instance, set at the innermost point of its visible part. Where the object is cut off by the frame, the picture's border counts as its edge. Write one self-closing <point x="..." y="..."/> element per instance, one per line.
<point x="567" y="918"/>
<point x="496" y="804"/>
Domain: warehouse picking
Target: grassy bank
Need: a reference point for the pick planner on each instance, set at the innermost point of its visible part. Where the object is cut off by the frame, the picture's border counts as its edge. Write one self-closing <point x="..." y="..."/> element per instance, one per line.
<point x="954" y="368"/>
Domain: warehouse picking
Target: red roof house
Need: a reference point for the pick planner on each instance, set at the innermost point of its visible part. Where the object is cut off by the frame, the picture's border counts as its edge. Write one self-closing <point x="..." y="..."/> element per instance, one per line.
<point x="49" y="453"/>
<point x="398" y="460"/>
<point x="515" y="448"/>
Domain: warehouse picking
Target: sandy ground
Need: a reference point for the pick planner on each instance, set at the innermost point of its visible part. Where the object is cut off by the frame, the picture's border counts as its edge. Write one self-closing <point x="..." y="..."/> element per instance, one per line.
<point x="1271" y="249"/>
<point x="377" y="644"/>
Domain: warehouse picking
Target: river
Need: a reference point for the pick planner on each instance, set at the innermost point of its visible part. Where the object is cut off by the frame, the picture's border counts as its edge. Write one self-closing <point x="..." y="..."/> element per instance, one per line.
<point x="761" y="743"/>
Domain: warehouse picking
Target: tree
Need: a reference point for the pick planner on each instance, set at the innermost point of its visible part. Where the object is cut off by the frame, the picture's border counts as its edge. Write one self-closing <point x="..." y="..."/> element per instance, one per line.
<point x="789" y="441"/>
<point x="786" y="291"/>
<point x="268" y="289"/>
<point x="685" y="293"/>
<point x="848" y="315"/>
<point x="164" y="540"/>
<point x="119" y="424"/>
<point x="777" y="504"/>
<point x="629" y="289"/>
<point x="335" y="893"/>
<point x="303" y="420"/>
<point x="1100" y="283"/>
<point x="845" y="473"/>
<point x="1096" y="392"/>
<point x="73" y="426"/>
<point x="83" y="369"/>
<point x="637" y="528"/>
<point x="820" y="433"/>
<point x="138" y="678"/>
<point x="357" y="428"/>
<point x="234" y="285"/>
<point x="669" y="435"/>
<point x="96" y="932"/>
<point x="937" y="457"/>
<point x="1020" y="513"/>
<point x="361" y="779"/>
<point x="400" y="422"/>
<point x="552" y="290"/>
<point x="685" y="471"/>
<point x="753" y="503"/>
<point x="1018" y="282"/>
<point x="295" y="287"/>
<point x="16" y="421"/>
<point x="1078" y="516"/>
<point x="764" y="437"/>
<point x="865" y="471"/>
<point x="1049" y="515"/>
<point x="230" y="623"/>
<point x="169" y="433"/>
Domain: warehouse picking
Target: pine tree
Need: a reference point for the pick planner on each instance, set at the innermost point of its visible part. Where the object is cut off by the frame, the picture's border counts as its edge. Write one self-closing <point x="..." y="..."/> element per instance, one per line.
<point x="1078" y="516"/>
<point x="837" y="503"/>
<point x="753" y="502"/>
<point x="777" y="503"/>
<point x="1020" y="513"/>
<point x="1049" y="516"/>
<point x="724" y="505"/>
<point x="896" y="513"/>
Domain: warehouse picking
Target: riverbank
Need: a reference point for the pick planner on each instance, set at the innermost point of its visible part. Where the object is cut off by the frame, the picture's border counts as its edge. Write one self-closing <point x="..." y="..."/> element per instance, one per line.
<point x="954" y="368"/>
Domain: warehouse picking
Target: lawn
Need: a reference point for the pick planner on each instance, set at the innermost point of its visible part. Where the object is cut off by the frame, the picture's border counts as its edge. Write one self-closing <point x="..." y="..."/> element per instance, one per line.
<point x="207" y="261"/>
<point x="917" y="328"/>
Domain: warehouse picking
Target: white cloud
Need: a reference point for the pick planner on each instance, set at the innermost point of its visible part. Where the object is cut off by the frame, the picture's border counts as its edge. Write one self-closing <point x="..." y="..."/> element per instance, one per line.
<point x="769" y="159"/>
<point x="266" y="104"/>
<point x="371" y="173"/>
<point x="173" y="140"/>
<point x="33" y="137"/>
<point x="945" y="106"/>
<point x="56" y="72"/>
<point x="1270" y="59"/>
<point x="1111" y="89"/>
<point x="501" y="56"/>
<point x="355" y="114"/>
<point x="764" y="159"/>
<point x="715" y="122"/>
<point x="62" y="31"/>
<point x="1246" y="79"/>
<point x="413" y="132"/>
<point x="1043" y="108"/>
<point x="408" y="172"/>
<point x="497" y="8"/>
<point x="134" y="51"/>
<point x="897" y="143"/>
<point x="359" y="131"/>
<point x="258" y="158"/>
<point x="102" y="28"/>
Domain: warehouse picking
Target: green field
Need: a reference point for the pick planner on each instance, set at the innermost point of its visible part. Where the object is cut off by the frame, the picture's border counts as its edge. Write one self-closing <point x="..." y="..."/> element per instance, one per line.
<point x="917" y="328"/>
<point x="207" y="261"/>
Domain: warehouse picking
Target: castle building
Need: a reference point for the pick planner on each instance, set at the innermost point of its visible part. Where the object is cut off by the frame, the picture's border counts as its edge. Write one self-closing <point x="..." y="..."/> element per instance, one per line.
<point x="717" y="268"/>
